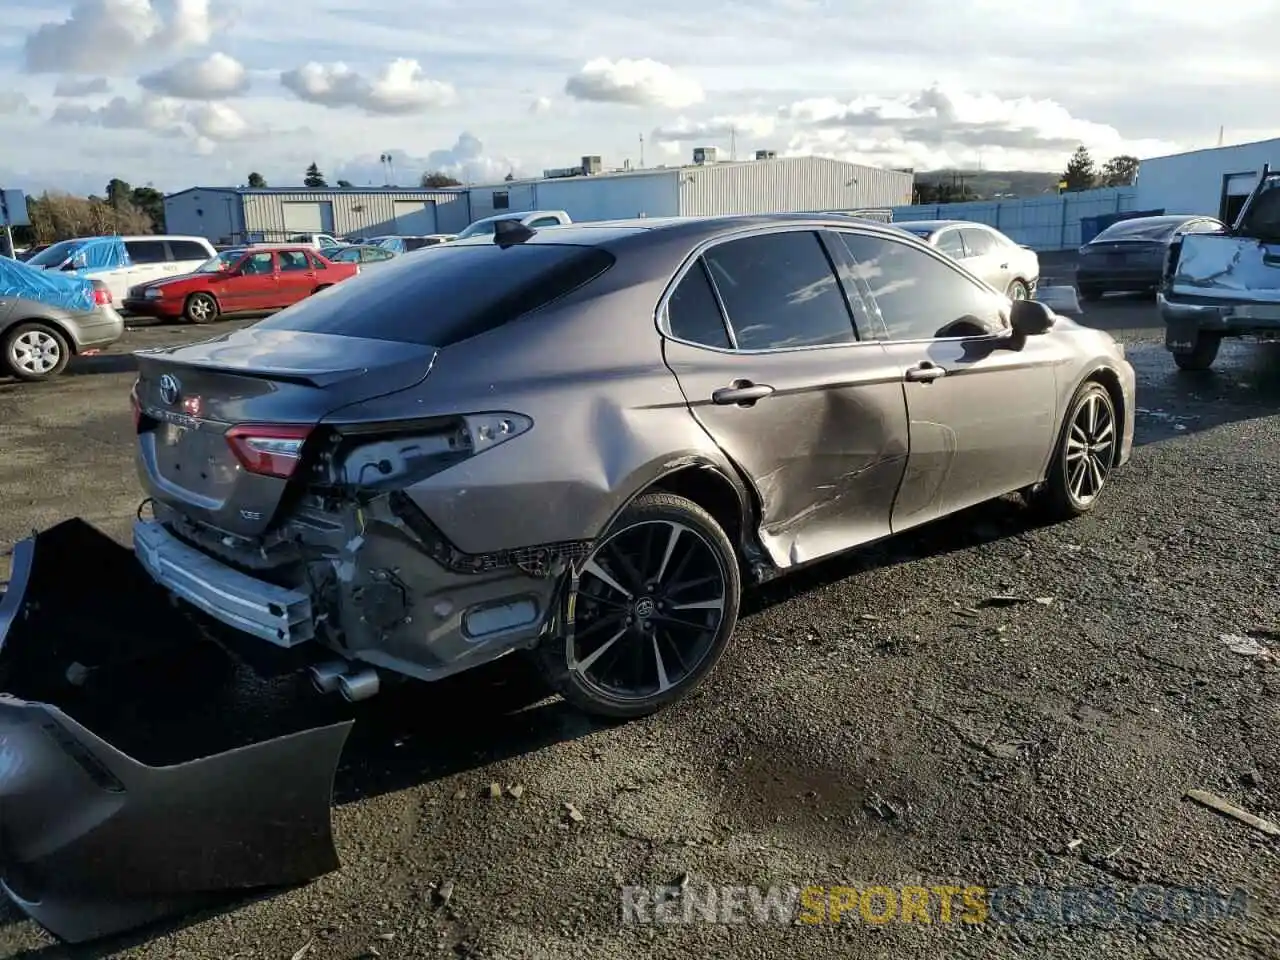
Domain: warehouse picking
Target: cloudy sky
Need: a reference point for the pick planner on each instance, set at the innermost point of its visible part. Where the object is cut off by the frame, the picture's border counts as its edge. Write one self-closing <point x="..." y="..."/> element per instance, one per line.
<point x="180" y="92"/>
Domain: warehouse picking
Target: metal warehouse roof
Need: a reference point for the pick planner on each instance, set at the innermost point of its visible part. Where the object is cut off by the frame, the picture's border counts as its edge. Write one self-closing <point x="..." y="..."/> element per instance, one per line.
<point x="302" y="189"/>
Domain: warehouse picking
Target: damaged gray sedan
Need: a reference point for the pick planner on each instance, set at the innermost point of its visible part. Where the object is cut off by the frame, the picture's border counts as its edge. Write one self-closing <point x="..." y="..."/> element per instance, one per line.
<point x="581" y="441"/>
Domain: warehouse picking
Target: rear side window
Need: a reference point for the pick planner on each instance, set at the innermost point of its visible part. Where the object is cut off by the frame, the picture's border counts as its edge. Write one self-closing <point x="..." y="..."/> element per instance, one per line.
<point x="949" y="243"/>
<point x="780" y="291"/>
<point x="186" y="250"/>
<point x="457" y="293"/>
<point x="293" y="260"/>
<point x="693" y="314"/>
<point x="978" y="243"/>
<point x="149" y="251"/>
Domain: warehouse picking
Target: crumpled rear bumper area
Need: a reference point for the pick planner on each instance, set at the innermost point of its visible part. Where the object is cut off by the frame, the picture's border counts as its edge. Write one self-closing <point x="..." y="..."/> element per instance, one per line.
<point x="93" y="839"/>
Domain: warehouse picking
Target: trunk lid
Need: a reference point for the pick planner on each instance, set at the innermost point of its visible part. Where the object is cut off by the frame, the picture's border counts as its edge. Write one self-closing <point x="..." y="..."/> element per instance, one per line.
<point x="189" y="397"/>
<point x="1125" y="252"/>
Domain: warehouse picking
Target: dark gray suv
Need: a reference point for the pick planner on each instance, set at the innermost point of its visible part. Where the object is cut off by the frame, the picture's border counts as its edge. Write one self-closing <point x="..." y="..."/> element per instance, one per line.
<point x="583" y="441"/>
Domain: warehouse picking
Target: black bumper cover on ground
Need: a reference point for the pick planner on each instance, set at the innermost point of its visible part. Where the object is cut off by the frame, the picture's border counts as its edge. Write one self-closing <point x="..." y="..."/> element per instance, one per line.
<point x="93" y="842"/>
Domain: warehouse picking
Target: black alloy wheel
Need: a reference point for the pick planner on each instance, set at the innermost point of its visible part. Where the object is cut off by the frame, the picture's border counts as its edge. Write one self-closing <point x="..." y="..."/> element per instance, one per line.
<point x="655" y="606"/>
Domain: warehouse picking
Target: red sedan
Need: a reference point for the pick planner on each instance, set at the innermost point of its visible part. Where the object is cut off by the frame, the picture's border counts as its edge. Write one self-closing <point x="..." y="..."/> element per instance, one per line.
<point x="242" y="280"/>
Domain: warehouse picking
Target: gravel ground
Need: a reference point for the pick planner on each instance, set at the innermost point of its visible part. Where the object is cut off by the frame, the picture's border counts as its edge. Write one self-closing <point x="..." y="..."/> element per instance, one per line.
<point x="879" y="720"/>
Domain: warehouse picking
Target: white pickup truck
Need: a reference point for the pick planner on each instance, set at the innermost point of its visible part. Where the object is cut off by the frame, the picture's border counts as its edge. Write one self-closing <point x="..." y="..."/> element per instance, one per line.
<point x="321" y="241"/>
<point x="1219" y="285"/>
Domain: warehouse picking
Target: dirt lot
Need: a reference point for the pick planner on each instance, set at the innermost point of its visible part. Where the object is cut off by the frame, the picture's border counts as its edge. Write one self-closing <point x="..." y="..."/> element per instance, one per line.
<point x="880" y="720"/>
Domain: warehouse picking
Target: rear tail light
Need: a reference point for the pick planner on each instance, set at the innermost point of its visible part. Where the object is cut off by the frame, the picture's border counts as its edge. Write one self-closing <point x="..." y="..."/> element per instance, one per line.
<point x="101" y="296"/>
<point x="268" y="450"/>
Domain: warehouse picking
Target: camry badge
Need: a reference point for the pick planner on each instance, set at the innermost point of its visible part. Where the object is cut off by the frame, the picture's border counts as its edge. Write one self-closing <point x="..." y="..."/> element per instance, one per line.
<point x="170" y="389"/>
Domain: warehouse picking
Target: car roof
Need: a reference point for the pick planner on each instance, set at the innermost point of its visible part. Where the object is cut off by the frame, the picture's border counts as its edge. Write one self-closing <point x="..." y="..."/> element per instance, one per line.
<point x="1169" y="218"/>
<point x="696" y="229"/>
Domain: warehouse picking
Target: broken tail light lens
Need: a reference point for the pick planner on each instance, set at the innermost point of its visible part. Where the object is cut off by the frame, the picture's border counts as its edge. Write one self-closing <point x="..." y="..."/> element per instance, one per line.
<point x="101" y="296"/>
<point x="268" y="450"/>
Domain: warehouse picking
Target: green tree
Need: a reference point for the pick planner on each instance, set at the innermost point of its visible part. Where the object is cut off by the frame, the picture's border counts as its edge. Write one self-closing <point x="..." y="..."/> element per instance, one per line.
<point x="257" y="181"/>
<point x="118" y="192"/>
<point x="1080" y="174"/>
<point x="314" y="178"/>
<point x="1119" y="171"/>
<point x="435" y="179"/>
<point x="151" y="202"/>
<point x="346" y="184"/>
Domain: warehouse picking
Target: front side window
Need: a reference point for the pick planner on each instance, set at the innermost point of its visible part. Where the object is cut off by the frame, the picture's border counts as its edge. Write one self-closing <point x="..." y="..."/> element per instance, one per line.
<point x="257" y="265"/>
<point x="693" y="314"/>
<point x="780" y="291"/>
<point x="920" y="297"/>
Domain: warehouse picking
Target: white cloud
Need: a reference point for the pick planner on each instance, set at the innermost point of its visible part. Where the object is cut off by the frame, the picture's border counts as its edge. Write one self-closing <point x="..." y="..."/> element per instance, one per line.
<point x="112" y="36"/>
<point x="74" y="87"/>
<point x="400" y="88"/>
<point x="742" y="127"/>
<point x="936" y="128"/>
<point x="204" y="124"/>
<point x="468" y="161"/>
<point x="633" y="82"/>
<point x="214" y="77"/>
<point x="540" y="105"/>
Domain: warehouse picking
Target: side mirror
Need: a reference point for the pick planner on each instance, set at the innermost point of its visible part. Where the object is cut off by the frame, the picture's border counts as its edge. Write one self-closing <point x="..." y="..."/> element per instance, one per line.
<point x="1030" y="318"/>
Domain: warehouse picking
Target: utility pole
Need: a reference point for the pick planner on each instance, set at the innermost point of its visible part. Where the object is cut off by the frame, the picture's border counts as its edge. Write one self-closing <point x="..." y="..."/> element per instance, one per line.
<point x="642" y="151"/>
<point x="733" y="143"/>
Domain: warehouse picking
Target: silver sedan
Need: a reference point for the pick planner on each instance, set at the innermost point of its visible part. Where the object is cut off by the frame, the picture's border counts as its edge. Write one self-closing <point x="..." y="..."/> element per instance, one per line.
<point x="985" y="252"/>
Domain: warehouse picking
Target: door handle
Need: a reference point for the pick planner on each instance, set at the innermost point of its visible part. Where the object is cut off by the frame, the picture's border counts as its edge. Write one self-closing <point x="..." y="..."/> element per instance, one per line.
<point x="744" y="393"/>
<point x="925" y="372"/>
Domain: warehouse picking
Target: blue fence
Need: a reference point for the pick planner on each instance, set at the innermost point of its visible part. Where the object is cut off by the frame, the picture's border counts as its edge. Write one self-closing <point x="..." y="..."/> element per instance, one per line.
<point x="1042" y="223"/>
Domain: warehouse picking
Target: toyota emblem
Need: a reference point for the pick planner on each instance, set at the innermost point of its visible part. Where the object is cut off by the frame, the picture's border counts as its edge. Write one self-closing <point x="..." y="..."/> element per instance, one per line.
<point x="170" y="389"/>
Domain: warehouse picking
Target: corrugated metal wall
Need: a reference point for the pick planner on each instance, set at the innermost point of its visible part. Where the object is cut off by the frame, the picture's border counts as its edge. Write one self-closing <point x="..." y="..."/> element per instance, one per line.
<point x="354" y="211"/>
<point x="1193" y="182"/>
<point x="613" y="198"/>
<point x="789" y="184"/>
<point x="1042" y="223"/>
<point x="212" y="214"/>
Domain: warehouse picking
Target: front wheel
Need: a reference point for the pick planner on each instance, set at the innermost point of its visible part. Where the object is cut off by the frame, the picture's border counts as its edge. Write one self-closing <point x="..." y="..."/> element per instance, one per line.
<point x="1202" y="355"/>
<point x="200" y="308"/>
<point x="655" y="607"/>
<point x="1086" y="453"/>
<point x="1018" y="290"/>
<point x="1090" y="293"/>
<point x="34" y="352"/>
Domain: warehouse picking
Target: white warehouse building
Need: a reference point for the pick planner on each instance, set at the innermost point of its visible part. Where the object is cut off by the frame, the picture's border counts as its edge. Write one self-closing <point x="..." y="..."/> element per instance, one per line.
<point x="765" y="185"/>
<point x="1214" y="181"/>
<point x="266" y="214"/>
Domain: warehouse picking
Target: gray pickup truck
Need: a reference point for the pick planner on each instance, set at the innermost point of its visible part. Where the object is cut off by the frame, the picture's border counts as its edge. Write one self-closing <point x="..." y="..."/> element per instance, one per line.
<point x="1225" y="285"/>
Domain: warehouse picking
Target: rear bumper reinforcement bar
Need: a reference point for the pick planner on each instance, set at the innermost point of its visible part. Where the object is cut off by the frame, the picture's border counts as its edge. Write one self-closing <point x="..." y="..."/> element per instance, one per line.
<point x="262" y="609"/>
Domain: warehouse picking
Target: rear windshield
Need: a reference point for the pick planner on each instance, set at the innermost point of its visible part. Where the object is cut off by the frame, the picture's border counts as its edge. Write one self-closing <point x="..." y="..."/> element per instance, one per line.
<point x="456" y="293"/>
<point x="1140" y="230"/>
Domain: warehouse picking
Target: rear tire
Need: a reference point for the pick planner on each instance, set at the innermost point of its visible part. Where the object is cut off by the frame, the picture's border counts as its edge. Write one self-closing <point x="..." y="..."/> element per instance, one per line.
<point x="656" y="606"/>
<point x="1090" y="293"/>
<point x="1018" y="290"/>
<point x="1201" y="357"/>
<point x="323" y="286"/>
<point x="1084" y="458"/>
<point x="34" y="352"/>
<point x="200" y="308"/>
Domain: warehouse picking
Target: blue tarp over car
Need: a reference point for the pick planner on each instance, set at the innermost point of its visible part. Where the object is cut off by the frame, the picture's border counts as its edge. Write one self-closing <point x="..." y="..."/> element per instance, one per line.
<point x="84" y="255"/>
<point x="65" y="290"/>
